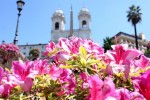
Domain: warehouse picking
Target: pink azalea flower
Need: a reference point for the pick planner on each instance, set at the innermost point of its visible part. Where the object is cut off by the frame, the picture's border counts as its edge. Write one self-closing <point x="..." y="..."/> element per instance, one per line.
<point x="1" y="76"/>
<point x="1" y="73"/>
<point x="24" y="74"/>
<point x="113" y="68"/>
<point x="123" y="94"/>
<point x="123" y="56"/>
<point x="8" y="51"/>
<point x="61" y="57"/>
<point x="136" y="96"/>
<point x="41" y="66"/>
<point x="49" y="48"/>
<point x="5" y="86"/>
<point x="93" y="47"/>
<point x="64" y="43"/>
<point x="111" y="98"/>
<point x="11" y="80"/>
<point x="1" y="90"/>
<point x="54" y="72"/>
<point x="142" y="62"/>
<point x="64" y="74"/>
<point x="100" y="90"/>
<point x="120" y="54"/>
<point x="95" y="84"/>
<point x="74" y="45"/>
<point x="142" y="84"/>
<point x="5" y="90"/>
<point x="69" y="88"/>
<point x="26" y="85"/>
<point x="84" y="78"/>
<point x="108" y="87"/>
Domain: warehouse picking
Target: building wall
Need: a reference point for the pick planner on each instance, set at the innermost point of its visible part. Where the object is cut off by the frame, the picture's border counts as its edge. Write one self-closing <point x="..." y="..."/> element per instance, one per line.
<point x="84" y="18"/>
<point x="25" y="49"/>
<point x="55" y="35"/>
<point x="122" y="39"/>
<point x="61" y="23"/>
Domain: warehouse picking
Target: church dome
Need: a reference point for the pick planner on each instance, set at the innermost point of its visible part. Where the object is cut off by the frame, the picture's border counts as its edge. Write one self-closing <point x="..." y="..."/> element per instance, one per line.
<point x="84" y="11"/>
<point x="58" y="12"/>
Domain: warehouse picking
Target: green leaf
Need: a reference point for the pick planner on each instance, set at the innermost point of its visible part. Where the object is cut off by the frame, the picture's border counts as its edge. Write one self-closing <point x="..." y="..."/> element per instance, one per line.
<point x="50" y="96"/>
<point x="40" y="94"/>
<point x="82" y="51"/>
<point x="68" y="67"/>
<point x="92" y="61"/>
<point x="21" y="95"/>
<point x="88" y="71"/>
<point x="83" y="62"/>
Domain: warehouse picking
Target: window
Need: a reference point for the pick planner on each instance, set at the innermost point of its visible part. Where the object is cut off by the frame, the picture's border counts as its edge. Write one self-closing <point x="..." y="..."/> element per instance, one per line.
<point x="30" y="47"/>
<point x="84" y="24"/>
<point x="57" y="26"/>
<point x="24" y="53"/>
<point x="24" y="48"/>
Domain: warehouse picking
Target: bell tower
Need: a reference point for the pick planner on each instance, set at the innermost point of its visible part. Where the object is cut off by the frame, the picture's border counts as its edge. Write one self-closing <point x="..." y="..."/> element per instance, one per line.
<point x="58" y="25"/>
<point x="84" y="18"/>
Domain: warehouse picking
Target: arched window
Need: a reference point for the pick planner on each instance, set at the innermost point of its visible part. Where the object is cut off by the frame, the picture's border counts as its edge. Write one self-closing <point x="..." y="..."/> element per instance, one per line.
<point x="84" y="24"/>
<point x="57" y="26"/>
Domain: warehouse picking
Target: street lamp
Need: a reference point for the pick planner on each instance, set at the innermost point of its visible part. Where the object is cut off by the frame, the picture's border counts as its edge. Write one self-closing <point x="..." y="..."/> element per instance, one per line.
<point x="20" y="4"/>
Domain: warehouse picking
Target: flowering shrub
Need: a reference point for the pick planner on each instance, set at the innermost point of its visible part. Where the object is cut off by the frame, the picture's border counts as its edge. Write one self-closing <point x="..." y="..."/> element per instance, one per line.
<point x="80" y="70"/>
<point x="8" y="51"/>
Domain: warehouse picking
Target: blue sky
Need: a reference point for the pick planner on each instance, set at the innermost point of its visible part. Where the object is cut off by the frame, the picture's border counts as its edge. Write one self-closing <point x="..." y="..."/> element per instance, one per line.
<point x="108" y="17"/>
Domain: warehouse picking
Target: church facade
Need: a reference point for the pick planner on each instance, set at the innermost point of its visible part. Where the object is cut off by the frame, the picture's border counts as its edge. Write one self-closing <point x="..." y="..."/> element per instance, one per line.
<point x="58" y="25"/>
<point x="58" y="29"/>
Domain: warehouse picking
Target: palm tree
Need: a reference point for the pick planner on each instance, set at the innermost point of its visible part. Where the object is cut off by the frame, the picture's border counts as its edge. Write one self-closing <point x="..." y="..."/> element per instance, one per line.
<point x="134" y="16"/>
<point x="107" y="43"/>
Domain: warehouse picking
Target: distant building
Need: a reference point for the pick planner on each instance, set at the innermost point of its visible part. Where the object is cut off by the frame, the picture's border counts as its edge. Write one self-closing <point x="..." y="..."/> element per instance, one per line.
<point x="58" y="25"/>
<point x="25" y="49"/>
<point x="58" y="29"/>
<point x="124" y="38"/>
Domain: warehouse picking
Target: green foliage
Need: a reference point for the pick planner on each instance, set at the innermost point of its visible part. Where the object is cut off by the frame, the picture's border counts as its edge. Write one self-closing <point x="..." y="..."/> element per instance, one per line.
<point x="147" y="53"/>
<point x="148" y="46"/>
<point x="134" y="14"/>
<point x="108" y="42"/>
<point x="43" y="87"/>
<point x="34" y="54"/>
<point x="84" y="62"/>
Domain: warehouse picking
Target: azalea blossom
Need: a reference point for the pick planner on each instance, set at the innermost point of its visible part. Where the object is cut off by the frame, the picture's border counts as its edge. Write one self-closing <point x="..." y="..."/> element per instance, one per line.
<point x="50" y="48"/>
<point x="142" y="62"/>
<point x="1" y="73"/>
<point x="100" y="90"/>
<point x="54" y="72"/>
<point x="5" y="84"/>
<point x="119" y="74"/>
<point x="41" y="66"/>
<point x="61" y="57"/>
<point x="84" y="78"/>
<point x="24" y="74"/>
<point x="122" y="56"/>
<point x="142" y="84"/>
<point x="123" y="94"/>
<point x="1" y="76"/>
